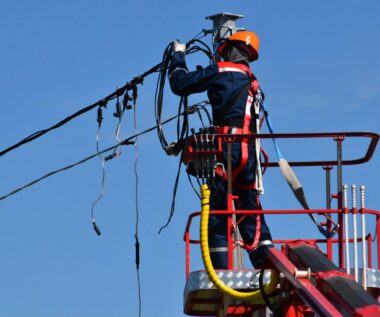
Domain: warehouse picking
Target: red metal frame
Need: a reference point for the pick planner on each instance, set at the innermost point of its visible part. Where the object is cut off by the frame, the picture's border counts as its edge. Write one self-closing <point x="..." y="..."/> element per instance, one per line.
<point x="375" y="213"/>
<point x="373" y="137"/>
<point x="302" y="286"/>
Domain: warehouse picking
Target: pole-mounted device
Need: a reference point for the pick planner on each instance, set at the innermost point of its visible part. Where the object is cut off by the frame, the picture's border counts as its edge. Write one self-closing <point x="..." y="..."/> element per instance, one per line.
<point x="224" y="25"/>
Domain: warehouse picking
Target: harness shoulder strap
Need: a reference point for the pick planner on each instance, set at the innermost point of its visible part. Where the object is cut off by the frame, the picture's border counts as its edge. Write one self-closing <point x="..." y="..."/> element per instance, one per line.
<point x="252" y="83"/>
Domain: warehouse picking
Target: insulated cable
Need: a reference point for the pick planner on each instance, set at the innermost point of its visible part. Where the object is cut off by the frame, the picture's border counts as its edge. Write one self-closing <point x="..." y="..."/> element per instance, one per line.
<point x="264" y="294"/>
<point x="127" y="141"/>
<point x="192" y="185"/>
<point x="137" y="243"/>
<point x="100" y="103"/>
<point x="119" y="114"/>
<point x="172" y="207"/>
<point x="174" y="148"/>
<point x="95" y="226"/>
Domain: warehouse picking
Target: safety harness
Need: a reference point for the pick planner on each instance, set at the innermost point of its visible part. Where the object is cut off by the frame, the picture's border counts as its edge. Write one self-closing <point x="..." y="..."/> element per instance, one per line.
<point x="251" y="104"/>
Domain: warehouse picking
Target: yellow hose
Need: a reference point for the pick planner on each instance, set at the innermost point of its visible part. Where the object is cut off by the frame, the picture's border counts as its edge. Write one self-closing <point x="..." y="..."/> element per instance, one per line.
<point x="255" y="296"/>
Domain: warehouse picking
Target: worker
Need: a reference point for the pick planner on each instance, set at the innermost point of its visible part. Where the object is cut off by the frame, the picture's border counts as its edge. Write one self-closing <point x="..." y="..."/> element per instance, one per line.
<point x="231" y="87"/>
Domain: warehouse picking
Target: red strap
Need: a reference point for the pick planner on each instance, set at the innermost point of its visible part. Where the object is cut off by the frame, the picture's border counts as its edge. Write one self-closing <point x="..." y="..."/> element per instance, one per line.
<point x="224" y="67"/>
<point x="233" y="67"/>
<point x="256" y="238"/>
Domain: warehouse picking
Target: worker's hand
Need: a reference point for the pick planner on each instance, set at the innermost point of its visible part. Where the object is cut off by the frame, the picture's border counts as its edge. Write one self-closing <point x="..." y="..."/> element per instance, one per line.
<point x="179" y="47"/>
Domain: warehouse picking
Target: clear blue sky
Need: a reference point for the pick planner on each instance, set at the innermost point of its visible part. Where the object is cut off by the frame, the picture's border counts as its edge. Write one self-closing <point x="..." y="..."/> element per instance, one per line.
<point x="319" y="67"/>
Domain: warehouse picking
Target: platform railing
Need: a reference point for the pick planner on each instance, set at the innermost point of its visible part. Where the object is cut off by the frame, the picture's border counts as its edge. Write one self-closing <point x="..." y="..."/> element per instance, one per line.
<point x="343" y="241"/>
<point x="366" y="242"/>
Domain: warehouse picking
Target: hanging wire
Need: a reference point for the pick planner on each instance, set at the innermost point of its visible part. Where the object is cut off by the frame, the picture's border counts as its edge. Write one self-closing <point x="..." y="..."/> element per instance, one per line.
<point x="102" y="102"/>
<point x="127" y="141"/>
<point x="136" y="80"/>
<point x="95" y="226"/>
<point x="201" y="119"/>
<point x="192" y="185"/>
<point x="118" y="114"/>
<point x="137" y="243"/>
<point x="264" y="295"/>
<point x="174" y="148"/>
<point x="172" y="208"/>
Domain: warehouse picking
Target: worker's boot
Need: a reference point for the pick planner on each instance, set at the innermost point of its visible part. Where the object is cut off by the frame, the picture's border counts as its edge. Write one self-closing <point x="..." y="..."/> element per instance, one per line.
<point x="259" y="255"/>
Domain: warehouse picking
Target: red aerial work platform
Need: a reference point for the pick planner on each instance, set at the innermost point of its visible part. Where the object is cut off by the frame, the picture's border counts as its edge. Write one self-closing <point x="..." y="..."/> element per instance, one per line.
<point x="309" y="283"/>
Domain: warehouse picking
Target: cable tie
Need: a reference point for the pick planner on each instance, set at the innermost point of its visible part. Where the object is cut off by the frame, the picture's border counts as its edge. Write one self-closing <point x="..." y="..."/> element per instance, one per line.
<point x="103" y="103"/>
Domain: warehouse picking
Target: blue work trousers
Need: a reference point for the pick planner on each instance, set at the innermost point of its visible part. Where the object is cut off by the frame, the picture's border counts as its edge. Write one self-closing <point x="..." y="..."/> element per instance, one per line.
<point x="248" y="200"/>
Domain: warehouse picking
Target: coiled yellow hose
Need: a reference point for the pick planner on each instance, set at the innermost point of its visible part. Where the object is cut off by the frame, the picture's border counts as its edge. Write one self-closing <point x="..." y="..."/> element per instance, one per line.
<point x="255" y="296"/>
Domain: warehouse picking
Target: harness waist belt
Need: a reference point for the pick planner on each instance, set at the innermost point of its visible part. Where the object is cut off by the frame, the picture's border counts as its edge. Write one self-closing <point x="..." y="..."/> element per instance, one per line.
<point x="229" y="130"/>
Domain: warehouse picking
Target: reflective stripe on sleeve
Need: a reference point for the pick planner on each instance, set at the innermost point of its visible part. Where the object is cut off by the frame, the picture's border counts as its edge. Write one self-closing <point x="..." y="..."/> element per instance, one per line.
<point x="231" y="69"/>
<point x="177" y="69"/>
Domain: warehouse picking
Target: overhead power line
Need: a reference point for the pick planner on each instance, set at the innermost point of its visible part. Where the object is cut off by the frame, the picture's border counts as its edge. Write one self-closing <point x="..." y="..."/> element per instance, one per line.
<point x="100" y="103"/>
<point x="128" y="141"/>
<point x="103" y="102"/>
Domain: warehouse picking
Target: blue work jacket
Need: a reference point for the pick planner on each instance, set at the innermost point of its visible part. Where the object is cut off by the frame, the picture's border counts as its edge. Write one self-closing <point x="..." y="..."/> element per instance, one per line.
<point x="224" y="88"/>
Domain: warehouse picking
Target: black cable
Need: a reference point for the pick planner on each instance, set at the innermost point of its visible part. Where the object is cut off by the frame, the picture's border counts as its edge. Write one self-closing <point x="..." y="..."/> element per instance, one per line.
<point x="159" y="97"/>
<point x="137" y="243"/>
<point x="207" y="114"/>
<point x="101" y="194"/>
<point x="174" y="148"/>
<point x="119" y="113"/>
<point x="192" y="185"/>
<point x="55" y="126"/>
<point x="195" y="48"/>
<point x="172" y="209"/>
<point x="101" y="103"/>
<point x="265" y="295"/>
<point x="201" y="119"/>
<point x="138" y="280"/>
<point x="251" y="281"/>
<point x="51" y="174"/>
<point x="127" y="141"/>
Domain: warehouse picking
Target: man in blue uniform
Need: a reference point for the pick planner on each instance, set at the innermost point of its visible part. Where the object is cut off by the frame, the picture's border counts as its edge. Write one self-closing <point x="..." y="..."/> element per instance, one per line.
<point x="231" y="89"/>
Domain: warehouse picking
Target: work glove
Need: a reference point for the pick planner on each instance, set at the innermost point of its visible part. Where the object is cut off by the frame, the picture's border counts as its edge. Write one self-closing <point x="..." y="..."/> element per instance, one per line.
<point x="179" y="47"/>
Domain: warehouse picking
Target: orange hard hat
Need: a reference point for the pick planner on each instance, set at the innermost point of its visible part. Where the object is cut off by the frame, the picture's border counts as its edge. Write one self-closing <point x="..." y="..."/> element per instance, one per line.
<point x="248" y="41"/>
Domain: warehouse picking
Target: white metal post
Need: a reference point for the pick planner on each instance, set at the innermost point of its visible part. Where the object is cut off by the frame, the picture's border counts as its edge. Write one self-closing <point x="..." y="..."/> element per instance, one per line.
<point x="364" y="249"/>
<point x="355" y="229"/>
<point x="346" y="234"/>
